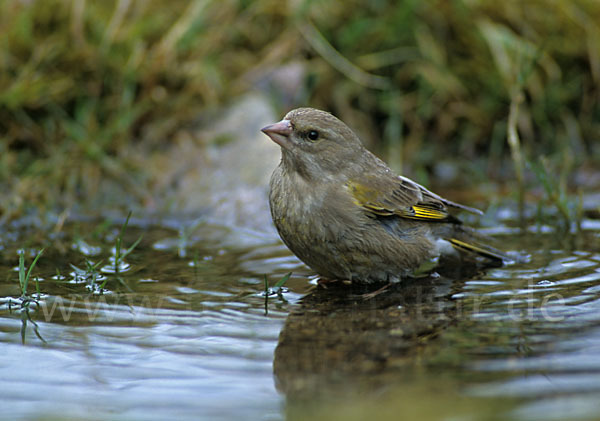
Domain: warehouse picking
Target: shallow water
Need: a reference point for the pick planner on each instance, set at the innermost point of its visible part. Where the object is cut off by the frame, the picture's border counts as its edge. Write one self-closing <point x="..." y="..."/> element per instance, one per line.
<point x="184" y="332"/>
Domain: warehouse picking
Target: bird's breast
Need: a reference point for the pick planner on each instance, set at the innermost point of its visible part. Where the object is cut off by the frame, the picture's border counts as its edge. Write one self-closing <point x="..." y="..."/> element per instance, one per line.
<point x="293" y="200"/>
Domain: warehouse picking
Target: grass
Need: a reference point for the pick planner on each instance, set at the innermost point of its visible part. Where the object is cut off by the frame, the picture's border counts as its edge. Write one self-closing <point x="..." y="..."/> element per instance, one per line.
<point x="24" y="276"/>
<point x="27" y="300"/>
<point x="120" y="254"/>
<point x="91" y="275"/>
<point x="277" y="289"/>
<point x="118" y="258"/>
<point x="568" y="207"/>
<point x="105" y="85"/>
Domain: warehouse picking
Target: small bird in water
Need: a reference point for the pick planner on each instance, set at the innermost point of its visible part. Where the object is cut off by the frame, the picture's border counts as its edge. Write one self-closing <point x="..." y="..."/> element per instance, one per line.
<point x="345" y="214"/>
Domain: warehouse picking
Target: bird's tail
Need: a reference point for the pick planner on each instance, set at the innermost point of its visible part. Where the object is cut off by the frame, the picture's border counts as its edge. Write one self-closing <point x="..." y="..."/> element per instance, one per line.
<point x="483" y="250"/>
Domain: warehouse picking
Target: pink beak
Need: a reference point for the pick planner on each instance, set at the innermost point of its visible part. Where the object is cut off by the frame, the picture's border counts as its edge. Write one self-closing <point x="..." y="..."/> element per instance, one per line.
<point x="279" y="133"/>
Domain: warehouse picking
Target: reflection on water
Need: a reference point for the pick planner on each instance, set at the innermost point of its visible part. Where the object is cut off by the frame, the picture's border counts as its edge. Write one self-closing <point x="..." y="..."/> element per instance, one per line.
<point x="339" y="338"/>
<point x="183" y="333"/>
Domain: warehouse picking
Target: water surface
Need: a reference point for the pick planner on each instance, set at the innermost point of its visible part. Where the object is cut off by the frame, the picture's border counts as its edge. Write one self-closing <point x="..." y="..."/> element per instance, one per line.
<point x="184" y="331"/>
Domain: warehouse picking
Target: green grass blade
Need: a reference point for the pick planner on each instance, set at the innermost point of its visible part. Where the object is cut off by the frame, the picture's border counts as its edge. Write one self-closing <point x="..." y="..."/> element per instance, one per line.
<point x="125" y="224"/>
<point x="22" y="281"/>
<point x="119" y="241"/>
<point x="283" y="280"/>
<point x="24" y="277"/>
<point x="130" y="249"/>
<point x="33" y="264"/>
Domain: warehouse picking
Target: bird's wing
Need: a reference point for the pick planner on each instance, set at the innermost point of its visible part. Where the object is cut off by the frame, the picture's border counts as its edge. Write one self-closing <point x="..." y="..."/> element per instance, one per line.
<point x="391" y="195"/>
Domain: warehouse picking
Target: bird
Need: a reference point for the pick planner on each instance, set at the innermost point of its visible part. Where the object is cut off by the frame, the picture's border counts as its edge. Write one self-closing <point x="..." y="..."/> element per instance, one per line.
<point x="344" y="213"/>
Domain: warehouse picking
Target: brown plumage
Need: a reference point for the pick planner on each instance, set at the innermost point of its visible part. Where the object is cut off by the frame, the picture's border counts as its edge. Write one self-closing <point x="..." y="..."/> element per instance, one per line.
<point x="345" y="214"/>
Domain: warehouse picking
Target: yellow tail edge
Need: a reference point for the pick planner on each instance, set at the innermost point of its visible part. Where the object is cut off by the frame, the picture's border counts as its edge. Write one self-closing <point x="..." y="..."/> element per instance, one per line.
<point x="485" y="252"/>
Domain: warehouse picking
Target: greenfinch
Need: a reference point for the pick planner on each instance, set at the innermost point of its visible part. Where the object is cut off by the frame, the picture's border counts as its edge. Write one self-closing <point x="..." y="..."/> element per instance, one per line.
<point x="343" y="212"/>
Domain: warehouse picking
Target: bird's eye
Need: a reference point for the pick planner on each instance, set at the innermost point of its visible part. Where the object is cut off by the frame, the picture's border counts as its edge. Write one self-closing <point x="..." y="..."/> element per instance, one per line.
<point x="313" y="135"/>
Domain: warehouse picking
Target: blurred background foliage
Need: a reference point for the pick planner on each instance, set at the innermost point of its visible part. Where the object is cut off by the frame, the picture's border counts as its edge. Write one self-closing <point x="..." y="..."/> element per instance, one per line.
<point x="89" y="88"/>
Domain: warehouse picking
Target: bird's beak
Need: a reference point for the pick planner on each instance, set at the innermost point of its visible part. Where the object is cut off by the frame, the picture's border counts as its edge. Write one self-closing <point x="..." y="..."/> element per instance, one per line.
<point x="279" y="133"/>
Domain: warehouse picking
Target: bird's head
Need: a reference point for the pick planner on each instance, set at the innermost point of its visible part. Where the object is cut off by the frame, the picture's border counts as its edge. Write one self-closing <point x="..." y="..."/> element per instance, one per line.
<point x="315" y="144"/>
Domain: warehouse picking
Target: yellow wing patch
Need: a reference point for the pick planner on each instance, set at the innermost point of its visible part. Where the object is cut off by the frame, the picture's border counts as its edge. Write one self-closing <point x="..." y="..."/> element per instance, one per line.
<point x="421" y="212"/>
<point x="369" y="200"/>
